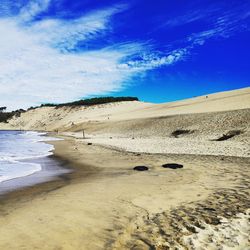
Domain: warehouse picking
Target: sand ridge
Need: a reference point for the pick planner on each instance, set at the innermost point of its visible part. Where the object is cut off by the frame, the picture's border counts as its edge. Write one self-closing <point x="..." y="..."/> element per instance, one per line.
<point x="68" y="118"/>
<point x="192" y="126"/>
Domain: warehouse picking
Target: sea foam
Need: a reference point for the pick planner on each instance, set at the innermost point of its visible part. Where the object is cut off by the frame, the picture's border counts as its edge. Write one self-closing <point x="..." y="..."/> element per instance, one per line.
<point x="18" y="149"/>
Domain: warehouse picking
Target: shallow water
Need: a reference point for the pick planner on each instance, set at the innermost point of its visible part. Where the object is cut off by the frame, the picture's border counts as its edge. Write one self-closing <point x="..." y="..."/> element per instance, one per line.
<point x="16" y="147"/>
<point x="24" y="160"/>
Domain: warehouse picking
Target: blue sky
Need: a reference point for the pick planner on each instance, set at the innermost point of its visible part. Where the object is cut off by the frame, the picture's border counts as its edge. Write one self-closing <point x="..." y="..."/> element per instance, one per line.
<point x="62" y="50"/>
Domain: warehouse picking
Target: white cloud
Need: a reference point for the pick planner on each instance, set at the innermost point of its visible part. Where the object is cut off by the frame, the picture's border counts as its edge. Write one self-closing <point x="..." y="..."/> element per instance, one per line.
<point x="222" y="20"/>
<point x="65" y="34"/>
<point x="151" y="61"/>
<point x="38" y="65"/>
<point x="33" y="8"/>
<point x="223" y="24"/>
<point x="190" y="16"/>
<point x="32" y="72"/>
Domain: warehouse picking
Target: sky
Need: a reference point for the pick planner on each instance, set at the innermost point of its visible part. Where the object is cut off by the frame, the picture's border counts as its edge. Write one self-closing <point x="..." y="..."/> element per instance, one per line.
<point x="54" y="51"/>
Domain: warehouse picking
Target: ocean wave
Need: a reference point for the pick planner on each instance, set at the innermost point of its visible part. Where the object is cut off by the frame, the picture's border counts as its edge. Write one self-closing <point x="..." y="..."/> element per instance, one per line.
<point x="16" y="148"/>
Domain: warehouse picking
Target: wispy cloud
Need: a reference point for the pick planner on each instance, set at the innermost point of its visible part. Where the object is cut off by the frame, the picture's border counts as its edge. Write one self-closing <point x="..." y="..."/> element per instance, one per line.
<point x="41" y="60"/>
<point x="191" y="16"/>
<point x="221" y="14"/>
<point x="220" y="23"/>
<point x="33" y="8"/>
<point x="151" y="61"/>
<point x="223" y="26"/>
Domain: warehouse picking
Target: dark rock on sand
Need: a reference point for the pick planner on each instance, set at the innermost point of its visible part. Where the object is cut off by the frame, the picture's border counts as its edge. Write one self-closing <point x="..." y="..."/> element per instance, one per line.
<point x="229" y="135"/>
<point x="180" y="132"/>
<point x="172" y="165"/>
<point x="140" y="168"/>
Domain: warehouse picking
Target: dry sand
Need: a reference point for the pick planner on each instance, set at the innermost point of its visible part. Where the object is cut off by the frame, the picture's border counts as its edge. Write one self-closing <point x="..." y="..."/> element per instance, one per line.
<point x="105" y="204"/>
<point x="103" y="116"/>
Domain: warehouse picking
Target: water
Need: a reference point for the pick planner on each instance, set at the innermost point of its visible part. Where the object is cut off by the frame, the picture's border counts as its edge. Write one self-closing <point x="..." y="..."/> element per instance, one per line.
<point x="20" y="153"/>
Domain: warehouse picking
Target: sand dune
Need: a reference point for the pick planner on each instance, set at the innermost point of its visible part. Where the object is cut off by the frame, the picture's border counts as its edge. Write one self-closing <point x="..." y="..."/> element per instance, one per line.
<point x="49" y="118"/>
<point x="191" y="126"/>
<point x="105" y="204"/>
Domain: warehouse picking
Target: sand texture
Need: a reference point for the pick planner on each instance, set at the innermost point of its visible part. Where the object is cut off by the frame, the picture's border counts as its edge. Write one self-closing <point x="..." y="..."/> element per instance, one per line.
<point x="105" y="204"/>
<point x="68" y="118"/>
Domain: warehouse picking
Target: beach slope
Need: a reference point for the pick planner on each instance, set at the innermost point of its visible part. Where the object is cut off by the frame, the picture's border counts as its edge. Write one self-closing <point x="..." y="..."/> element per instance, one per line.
<point x="105" y="204"/>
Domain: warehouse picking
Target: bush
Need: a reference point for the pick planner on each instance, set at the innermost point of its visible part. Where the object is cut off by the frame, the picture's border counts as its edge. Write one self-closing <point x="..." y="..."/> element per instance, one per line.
<point x="5" y="116"/>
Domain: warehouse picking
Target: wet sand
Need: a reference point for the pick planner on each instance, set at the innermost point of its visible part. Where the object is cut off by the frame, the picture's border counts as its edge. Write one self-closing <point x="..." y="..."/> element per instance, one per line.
<point x="105" y="204"/>
<point x="51" y="168"/>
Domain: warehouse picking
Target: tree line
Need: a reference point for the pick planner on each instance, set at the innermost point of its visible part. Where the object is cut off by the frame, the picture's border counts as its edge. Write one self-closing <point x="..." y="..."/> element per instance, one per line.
<point x="5" y="116"/>
<point x="89" y="102"/>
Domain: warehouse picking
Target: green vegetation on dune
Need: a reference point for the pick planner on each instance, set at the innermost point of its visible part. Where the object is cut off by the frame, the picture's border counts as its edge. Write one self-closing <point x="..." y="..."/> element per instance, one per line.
<point x="5" y="116"/>
<point x="89" y="102"/>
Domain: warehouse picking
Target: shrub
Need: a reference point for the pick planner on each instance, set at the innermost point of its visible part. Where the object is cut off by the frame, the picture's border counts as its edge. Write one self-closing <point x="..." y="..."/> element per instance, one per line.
<point x="5" y="116"/>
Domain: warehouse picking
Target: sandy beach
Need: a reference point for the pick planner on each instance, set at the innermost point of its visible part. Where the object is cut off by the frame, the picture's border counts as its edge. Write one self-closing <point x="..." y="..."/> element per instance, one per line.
<point x="104" y="204"/>
<point x="124" y="125"/>
<point x="114" y="207"/>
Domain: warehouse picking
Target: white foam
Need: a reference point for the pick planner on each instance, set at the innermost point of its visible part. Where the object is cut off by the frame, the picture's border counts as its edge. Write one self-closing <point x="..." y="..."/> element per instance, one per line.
<point x="18" y="147"/>
<point x="12" y="170"/>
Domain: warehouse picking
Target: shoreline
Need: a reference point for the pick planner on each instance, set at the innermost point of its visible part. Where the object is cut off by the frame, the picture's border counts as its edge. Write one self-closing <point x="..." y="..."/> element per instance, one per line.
<point x="63" y="172"/>
<point x="104" y="204"/>
<point x="51" y="169"/>
<point x="73" y="170"/>
<point x="48" y="167"/>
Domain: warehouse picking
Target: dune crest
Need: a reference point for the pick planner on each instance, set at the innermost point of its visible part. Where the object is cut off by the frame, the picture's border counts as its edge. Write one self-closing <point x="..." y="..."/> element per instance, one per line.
<point x="216" y="124"/>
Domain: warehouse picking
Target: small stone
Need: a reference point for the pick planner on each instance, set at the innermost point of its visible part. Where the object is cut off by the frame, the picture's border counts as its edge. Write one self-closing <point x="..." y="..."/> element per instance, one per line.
<point x="141" y="168"/>
<point x="172" y="165"/>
